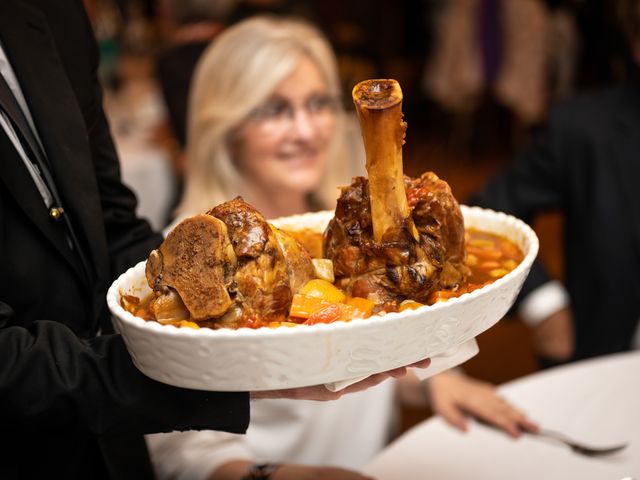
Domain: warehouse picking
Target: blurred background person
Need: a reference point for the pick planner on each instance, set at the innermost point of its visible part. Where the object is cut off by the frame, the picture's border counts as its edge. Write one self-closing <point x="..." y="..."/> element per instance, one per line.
<point x="138" y="117"/>
<point x="188" y="28"/>
<point x="247" y="137"/>
<point x="584" y="163"/>
<point x="490" y="53"/>
<point x="266" y="122"/>
<point x="134" y="105"/>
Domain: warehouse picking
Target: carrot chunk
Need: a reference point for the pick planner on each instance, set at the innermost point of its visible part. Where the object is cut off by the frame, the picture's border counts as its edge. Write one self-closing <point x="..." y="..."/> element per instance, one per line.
<point x="323" y="289"/>
<point x="363" y="306"/>
<point x="303" y="306"/>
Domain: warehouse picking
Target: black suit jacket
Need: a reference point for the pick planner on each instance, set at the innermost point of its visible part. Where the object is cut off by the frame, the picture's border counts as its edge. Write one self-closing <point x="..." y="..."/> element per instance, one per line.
<point x="586" y="162"/>
<point x="68" y="398"/>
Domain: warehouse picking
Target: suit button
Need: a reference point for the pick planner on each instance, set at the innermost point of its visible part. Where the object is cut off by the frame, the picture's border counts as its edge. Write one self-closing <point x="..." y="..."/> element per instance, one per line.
<point x="56" y="212"/>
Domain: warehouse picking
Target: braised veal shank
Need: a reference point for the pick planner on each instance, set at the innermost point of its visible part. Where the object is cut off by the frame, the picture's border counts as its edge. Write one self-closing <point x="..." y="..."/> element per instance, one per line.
<point x="228" y="265"/>
<point x="393" y="237"/>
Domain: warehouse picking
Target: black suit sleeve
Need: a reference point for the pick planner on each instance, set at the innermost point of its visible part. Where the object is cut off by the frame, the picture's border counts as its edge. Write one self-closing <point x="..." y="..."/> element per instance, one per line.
<point x="532" y="184"/>
<point x="50" y="380"/>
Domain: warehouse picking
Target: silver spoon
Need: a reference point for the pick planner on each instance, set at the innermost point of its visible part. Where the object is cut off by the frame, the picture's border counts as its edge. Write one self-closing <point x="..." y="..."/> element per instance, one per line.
<point x="577" y="447"/>
<point x="580" y="448"/>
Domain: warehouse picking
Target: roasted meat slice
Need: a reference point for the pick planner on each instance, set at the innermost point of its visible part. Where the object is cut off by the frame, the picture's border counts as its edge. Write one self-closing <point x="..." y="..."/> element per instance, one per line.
<point x="197" y="261"/>
<point x="226" y="266"/>
<point x="393" y="237"/>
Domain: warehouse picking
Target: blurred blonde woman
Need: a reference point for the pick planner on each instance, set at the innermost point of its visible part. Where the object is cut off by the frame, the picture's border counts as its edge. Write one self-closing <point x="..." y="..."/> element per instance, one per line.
<point x="266" y="122"/>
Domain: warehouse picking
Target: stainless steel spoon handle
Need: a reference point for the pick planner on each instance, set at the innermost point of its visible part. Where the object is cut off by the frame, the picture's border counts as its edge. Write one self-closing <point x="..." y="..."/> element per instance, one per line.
<point x="578" y="447"/>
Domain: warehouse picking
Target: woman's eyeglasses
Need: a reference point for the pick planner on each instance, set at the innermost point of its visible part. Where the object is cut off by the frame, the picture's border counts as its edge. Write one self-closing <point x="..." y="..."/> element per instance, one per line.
<point x="281" y="111"/>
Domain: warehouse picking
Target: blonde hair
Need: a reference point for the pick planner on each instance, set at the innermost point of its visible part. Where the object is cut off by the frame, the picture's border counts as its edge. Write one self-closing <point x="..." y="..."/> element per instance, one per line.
<point x="236" y="74"/>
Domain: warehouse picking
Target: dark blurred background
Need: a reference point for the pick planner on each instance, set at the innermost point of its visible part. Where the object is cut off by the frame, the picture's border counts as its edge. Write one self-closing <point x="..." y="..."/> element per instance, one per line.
<point x="478" y="77"/>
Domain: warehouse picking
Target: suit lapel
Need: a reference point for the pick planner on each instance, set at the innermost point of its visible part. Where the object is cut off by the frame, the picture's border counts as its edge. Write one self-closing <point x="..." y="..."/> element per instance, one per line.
<point x="10" y="106"/>
<point x="20" y="185"/>
<point x="32" y="52"/>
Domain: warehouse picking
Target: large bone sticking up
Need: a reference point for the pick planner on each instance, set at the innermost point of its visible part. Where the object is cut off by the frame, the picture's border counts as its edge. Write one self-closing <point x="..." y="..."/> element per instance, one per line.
<point x="379" y="107"/>
<point x="393" y="237"/>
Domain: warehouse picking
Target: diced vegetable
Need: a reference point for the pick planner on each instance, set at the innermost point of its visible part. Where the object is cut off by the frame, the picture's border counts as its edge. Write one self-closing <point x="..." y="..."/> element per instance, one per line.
<point x="490" y="265"/>
<point x="363" y="306"/>
<point x="484" y="243"/>
<point x="328" y="314"/>
<point x="189" y="324"/>
<point x="182" y="323"/>
<point x="441" y="296"/>
<point x="509" y="249"/>
<point x="498" y="272"/>
<point x="323" y="289"/>
<point x="303" y="306"/>
<point x="409" y="305"/>
<point x="323" y="268"/>
<point x="169" y="308"/>
<point x="282" y="324"/>
<point x="510" y="264"/>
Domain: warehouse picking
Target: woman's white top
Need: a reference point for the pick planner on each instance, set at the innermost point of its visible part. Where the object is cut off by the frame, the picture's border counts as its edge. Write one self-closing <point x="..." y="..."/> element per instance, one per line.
<point x="346" y="433"/>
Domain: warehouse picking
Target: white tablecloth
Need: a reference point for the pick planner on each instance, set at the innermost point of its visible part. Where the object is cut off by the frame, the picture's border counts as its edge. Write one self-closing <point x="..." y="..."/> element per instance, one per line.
<point x="596" y="401"/>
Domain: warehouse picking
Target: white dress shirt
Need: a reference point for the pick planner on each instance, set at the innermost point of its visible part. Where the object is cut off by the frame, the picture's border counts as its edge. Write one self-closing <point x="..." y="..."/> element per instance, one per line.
<point x="542" y="302"/>
<point x="548" y="299"/>
<point x="9" y="76"/>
